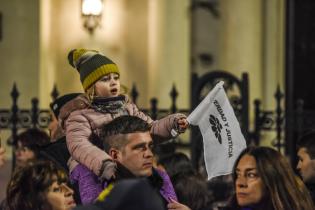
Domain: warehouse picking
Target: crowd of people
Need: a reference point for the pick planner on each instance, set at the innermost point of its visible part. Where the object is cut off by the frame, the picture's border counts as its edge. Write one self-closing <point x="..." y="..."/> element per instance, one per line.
<point x="100" y="155"/>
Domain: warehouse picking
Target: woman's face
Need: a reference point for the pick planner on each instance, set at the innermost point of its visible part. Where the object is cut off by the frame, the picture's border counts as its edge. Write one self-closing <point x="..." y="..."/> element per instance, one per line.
<point x="60" y="197"/>
<point x="23" y="155"/>
<point x="248" y="184"/>
<point x="108" y="85"/>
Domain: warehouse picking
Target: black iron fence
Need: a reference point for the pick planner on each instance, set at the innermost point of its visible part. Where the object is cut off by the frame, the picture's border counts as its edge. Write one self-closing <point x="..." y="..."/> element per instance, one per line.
<point x="16" y="118"/>
<point x="270" y="120"/>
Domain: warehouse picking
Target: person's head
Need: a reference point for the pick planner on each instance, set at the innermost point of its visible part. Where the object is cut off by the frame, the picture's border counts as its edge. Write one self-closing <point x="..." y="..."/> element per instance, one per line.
<point x="263" y="177"/>
<point x="99" y="75"/>
<point x="306" y="157"/>
<point x="127" y="139"/>
<point x="192" y="191"/>
<point x="53" y="127"/>
<point x="28" y="143"/>
<point x="176" y="163"/>
<point x="39" y="186"/>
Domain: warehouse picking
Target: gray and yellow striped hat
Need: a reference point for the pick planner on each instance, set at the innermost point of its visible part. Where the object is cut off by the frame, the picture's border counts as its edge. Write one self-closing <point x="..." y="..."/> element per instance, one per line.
<point x="91" y="65"/>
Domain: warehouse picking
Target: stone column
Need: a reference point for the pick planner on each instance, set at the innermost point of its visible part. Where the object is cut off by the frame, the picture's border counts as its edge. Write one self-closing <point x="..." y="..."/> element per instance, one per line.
<point x="169" y="47"/>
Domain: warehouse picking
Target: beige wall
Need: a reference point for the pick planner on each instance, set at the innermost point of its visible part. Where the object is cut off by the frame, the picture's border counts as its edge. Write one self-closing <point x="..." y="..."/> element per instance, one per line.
<point x="169" y="50"/>
<point x="252" y="40"/>
<point x="19" y="50"/>
<point x="273" y="57"/>
<point x="273" y="51"/>
<point x="241" y="41"/>
<point x="248" y="36"/>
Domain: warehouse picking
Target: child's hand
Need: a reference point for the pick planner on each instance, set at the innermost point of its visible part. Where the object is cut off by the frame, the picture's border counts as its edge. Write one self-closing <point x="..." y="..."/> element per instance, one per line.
<point x="109" y="170"/>
<point x="182" y="124"/>
<point x="177" y="206"/>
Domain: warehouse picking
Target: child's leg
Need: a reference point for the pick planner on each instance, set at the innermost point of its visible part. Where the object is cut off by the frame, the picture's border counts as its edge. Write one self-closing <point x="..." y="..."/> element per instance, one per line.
<point x="89" y="185"/>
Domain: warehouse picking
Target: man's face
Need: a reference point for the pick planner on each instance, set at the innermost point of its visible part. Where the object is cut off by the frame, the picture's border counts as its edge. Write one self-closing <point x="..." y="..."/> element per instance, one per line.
<point x="137" y="155"/>
<point x="306" y="166"/>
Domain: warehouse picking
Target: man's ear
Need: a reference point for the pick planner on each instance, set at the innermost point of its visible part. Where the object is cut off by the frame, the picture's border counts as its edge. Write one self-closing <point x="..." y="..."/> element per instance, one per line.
<point x="113" y="153"/>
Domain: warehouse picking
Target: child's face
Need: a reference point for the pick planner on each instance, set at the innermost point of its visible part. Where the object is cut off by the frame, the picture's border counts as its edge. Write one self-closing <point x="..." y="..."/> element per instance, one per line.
<point x="108" y="85"/>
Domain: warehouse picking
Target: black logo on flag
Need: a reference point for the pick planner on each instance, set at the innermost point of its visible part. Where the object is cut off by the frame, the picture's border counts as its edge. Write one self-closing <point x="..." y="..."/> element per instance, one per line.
<point x="216" y="127"/>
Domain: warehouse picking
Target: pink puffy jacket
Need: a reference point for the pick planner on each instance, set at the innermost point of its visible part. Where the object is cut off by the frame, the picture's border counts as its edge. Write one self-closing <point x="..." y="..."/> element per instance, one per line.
<point x="79" y="120"/>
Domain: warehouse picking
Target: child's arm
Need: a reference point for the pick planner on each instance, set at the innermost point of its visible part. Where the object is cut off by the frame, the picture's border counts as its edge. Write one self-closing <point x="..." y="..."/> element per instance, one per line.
<point x="78" y="131"/>
<point x="162" y="128"/>
<point x="88" y="184"/>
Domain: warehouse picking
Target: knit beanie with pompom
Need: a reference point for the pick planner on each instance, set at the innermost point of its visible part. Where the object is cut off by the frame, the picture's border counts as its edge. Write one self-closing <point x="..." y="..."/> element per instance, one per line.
<point x="91" y="65"/>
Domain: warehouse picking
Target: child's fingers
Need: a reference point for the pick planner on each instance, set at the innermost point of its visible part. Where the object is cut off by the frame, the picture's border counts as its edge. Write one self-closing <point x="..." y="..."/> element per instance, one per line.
<point x="183" y="120"/>
<point x="173" y="204"/>
<point x="176" y="205"/>
<point x="172" y="200"/>
<point x="182" y="123"/>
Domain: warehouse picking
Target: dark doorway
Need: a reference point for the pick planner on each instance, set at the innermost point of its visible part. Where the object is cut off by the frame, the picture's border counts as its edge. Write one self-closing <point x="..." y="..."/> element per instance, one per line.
<point x="300" y="65"/>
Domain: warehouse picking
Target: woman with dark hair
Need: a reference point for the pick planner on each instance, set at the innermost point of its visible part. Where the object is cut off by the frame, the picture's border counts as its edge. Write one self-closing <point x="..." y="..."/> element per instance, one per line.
<point x="264" y="180"/>
<point x="39" y="186"/>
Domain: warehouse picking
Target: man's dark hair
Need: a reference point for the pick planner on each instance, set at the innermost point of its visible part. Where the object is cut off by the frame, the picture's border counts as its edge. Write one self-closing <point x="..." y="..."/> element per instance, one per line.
<point x="121" y="125"/>
<point x="307" y="141"/>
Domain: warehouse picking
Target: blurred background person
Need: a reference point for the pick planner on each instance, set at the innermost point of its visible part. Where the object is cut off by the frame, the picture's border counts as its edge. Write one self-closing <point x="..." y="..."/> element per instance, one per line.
<point x="306" y="160"/>
<point x="28" y="143"/>
<point x="175" y="163"/>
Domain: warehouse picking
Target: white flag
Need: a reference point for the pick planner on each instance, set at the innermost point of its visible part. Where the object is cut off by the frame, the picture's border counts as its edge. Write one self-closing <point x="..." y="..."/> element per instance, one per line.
<point x="222" y="137"/>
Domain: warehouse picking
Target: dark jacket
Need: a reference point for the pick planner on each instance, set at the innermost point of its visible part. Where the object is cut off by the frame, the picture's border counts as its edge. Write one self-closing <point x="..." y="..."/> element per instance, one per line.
<point x="128" y="194"/>
<point x="56" y="152"/>
<point x="311" y="189"/>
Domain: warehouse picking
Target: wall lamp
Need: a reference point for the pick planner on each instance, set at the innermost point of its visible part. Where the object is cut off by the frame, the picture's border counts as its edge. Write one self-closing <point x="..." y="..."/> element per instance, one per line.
<point x="91" y="11"/>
